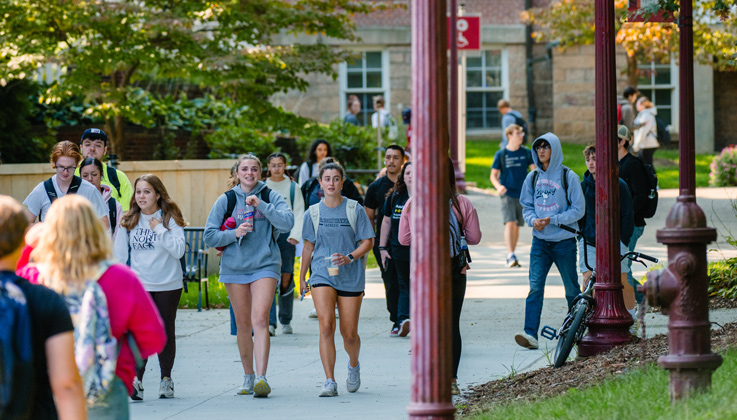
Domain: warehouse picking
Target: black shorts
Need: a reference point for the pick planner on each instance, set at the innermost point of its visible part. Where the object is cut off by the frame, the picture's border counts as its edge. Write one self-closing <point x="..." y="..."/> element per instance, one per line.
<point x="342" y="293"/>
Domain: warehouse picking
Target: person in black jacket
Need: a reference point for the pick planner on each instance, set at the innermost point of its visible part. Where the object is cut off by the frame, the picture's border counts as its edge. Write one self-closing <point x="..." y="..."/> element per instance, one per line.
<point x="632" y="171"/>
<point x="312" y="192"/>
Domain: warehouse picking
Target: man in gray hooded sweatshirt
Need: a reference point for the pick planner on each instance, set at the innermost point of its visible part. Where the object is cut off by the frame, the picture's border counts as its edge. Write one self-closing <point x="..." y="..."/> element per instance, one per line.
<point x="551" y="196"/>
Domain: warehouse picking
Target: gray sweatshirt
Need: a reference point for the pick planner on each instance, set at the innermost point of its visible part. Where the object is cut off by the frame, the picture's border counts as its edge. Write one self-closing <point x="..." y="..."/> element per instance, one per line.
<point x="258" y="250"/>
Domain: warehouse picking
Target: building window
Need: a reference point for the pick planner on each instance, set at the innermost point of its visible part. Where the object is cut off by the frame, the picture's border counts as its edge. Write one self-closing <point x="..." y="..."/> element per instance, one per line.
<point x="486" y="82"/>
<point x="366" y="76"/>
<point x="658" y="82"/>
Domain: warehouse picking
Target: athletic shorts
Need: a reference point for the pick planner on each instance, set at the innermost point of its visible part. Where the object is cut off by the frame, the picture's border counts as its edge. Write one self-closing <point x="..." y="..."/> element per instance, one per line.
<point x="287" y="251"/>
<point x="342" y="293"/>
<point x="512" y="210"/>
<point x="248" y="278"/>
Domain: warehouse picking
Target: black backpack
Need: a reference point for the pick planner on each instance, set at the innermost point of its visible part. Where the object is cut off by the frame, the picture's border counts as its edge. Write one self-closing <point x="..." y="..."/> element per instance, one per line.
<point x="16" y="350"/>
<point x="522" y="123"/>
<point x="651" y="178"/>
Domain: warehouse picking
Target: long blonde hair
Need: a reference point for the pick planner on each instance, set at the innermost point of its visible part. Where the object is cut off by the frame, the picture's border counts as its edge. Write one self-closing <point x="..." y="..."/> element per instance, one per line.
<point x="72" y="245"/>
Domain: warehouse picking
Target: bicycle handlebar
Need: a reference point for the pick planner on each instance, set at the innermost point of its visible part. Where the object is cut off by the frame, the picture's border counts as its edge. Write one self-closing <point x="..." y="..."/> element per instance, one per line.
<point x="645" y="257"/>
<point x="632" y="255"/>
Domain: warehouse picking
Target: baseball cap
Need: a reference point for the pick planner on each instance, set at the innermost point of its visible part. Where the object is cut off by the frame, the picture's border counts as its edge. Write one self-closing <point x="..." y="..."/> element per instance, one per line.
<point x="623" y="132"/>
<point x="94" y="134"/>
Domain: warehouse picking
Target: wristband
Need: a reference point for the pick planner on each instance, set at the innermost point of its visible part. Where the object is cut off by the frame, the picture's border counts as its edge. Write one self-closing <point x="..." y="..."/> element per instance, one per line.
<point x="382" y="248"/>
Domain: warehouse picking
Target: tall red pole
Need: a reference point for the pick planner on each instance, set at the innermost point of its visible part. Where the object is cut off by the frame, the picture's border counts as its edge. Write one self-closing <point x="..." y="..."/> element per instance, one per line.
<point x="430" y="288"/>
<point x="609" y="325"/>
<point x="682" y="288"/>
<point x="454" y="92"/>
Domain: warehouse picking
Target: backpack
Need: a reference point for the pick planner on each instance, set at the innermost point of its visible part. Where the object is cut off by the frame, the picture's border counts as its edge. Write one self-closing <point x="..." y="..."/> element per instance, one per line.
<point x="112" y="213"/>
<point x="651" y="178"/>
<point x="112" y="176"/>
<point x="16" y="350"/>
<point x="522" y="123"/>
<point x="51" y="192"/>
<point x="662" y="132"/>
<point x="95" y="348"/>
<point x="564" y="182"/>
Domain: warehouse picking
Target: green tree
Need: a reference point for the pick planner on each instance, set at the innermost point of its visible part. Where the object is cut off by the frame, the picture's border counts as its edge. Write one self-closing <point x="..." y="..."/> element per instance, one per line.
<point x="109" y="51"/>
<point x="571" y="22"/>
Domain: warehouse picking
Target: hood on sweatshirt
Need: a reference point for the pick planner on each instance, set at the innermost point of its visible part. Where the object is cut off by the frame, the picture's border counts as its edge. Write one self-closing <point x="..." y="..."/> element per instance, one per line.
<point x="556" y="153"/>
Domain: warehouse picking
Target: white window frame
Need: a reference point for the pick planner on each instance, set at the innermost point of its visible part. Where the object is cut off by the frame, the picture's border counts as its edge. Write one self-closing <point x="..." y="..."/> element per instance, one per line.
<point x="673" y="86"/>
<point x="385" y="81"/>
<point x="504" y="88"/>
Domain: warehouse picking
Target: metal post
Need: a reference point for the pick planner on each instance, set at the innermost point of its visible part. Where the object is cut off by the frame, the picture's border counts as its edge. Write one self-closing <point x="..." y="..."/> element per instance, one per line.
<point x="454" y="92"/>
<point x="682" y="288"/>
<point x="430" y="288"/>
<point x="609" y="325"/>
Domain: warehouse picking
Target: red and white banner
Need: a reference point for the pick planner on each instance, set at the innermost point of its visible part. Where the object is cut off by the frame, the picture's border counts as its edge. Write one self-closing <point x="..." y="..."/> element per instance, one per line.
<point x="468" y="32"/>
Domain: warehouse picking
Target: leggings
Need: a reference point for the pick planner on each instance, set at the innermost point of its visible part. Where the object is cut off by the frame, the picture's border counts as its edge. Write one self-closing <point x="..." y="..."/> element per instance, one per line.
<point x="458" y="286"/>
<point x="167" y="303"/>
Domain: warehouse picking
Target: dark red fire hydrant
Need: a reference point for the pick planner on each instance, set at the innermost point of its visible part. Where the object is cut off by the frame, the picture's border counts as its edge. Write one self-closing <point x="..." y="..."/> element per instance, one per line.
<point x="681" y="290"/>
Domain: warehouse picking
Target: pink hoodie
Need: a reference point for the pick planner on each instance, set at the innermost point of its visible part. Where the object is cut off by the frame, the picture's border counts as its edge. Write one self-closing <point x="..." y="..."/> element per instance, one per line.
<point x="470" y="218"/>
<point x="131" y="310"/>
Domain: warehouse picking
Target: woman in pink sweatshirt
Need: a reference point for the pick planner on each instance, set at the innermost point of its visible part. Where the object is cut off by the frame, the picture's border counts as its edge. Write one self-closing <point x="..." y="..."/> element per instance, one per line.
<point x="464" y="230"/>
<point x="75" y="248"/>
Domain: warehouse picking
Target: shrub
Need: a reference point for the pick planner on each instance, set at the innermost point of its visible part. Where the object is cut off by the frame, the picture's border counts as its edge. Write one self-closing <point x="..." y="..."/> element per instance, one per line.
<point x="724" y="168"/>
<point x="723" y="278"/>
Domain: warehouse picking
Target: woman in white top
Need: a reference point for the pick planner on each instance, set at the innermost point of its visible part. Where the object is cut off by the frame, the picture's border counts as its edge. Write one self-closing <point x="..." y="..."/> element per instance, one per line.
<point x="287" y="241"/>
<point x="151" y="242"/>
<point x="91" y="171"/>
<point x="319" y="150"/>
<point x="646" y="130"/>
<point x="65" y="157"/>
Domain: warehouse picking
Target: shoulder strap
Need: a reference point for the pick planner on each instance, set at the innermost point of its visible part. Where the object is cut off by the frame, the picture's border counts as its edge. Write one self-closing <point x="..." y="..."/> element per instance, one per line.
<point x="292" y="188"/>
<point x="50" y="191"/>
<point x="501" y="161"/>
<point x="565" y="184"/>
<point x="266" y="195"/>
<point x="535" y="174"/>
<point x="315" y="215"/>
<point x="112" y="176"/>
<point x="112" y="212"/>
<point x="351" y="206"/>
<point x="230" y="195"/>
<point x="74" y="187"/>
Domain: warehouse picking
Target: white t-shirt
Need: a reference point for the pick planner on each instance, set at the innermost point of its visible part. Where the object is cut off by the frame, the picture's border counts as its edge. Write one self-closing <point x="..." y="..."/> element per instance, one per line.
<point x="38" y="201"/>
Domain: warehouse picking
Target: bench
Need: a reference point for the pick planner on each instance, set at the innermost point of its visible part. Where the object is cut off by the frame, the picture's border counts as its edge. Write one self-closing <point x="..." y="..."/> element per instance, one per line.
<point x="195" y="267"/>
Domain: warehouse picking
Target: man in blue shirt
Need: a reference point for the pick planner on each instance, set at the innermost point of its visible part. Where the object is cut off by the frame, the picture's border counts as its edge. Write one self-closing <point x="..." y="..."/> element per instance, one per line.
<point x="508" y="173"/>
<point x="509" y="117"/>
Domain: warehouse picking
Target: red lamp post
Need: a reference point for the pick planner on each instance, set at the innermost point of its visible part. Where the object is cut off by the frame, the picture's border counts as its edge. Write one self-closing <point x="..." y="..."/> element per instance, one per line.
<point x="430" y="288"/>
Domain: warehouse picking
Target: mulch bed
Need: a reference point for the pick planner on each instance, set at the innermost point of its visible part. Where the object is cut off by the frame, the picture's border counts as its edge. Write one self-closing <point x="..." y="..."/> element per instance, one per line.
<point x="548" y="382"/>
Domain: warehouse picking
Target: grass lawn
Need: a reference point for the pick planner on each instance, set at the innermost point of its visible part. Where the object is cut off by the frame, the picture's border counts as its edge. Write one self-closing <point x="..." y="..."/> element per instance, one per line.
<point x="640" y="394"/>
<point x="480" y="156"/>
<point x="219" y="296"/>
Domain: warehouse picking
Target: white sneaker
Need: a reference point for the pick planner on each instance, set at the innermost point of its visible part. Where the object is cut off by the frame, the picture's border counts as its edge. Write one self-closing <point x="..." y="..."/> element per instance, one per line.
<point x="137" y="390"/>
<point x="312" y="314"/>
<point x="247" y="387"/>
<point x="272" y="330"/>
<point x="166" y="388"/>
<point x="526" y="340"/>
<point x="329" y="389"/>
<point x="354" y="378"/>
<point x="286" y="329"/>
<point x="261" y="388"/>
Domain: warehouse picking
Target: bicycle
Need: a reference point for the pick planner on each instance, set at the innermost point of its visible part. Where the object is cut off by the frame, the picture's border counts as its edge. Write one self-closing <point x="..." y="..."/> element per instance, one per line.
<point x="574" y="324"/>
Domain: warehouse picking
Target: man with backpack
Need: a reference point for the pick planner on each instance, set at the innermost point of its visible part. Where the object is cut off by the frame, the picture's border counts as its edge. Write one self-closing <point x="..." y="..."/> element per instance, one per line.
<point x="375" y="197"/>
<point x="551" y="196"/>
<point x="508" y="172"/>
<point x="44" y="382"/>
<point x="644" y="199"/>
<point x="509" y="117"/>
<point x="94" y="144"/>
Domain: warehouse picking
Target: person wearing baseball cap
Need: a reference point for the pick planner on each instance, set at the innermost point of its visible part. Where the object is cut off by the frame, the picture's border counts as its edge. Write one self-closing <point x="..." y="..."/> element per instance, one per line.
<point x="94" y="144"/>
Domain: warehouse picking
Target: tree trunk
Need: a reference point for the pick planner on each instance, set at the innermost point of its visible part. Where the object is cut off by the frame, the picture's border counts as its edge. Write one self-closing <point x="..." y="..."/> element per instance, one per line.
<point x="632" y="73"/>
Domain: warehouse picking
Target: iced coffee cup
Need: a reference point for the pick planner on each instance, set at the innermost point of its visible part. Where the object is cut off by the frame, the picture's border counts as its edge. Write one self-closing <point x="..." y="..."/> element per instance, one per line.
<point x="332" y="268"/>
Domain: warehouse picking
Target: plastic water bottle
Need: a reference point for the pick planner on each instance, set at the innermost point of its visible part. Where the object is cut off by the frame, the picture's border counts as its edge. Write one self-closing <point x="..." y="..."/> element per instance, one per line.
<point x="248" y="217"/>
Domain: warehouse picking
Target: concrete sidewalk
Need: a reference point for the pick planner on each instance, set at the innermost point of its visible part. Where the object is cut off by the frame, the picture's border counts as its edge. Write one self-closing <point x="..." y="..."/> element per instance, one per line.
<point x="207" y="371"/>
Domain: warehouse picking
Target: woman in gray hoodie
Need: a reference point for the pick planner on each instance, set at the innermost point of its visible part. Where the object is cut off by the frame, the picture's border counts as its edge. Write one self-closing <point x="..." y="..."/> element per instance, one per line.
<point x="251" y="264"/>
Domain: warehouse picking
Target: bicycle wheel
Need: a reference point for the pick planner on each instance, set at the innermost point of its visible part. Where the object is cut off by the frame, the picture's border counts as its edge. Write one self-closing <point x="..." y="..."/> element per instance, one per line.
<point x="567" y="339"/>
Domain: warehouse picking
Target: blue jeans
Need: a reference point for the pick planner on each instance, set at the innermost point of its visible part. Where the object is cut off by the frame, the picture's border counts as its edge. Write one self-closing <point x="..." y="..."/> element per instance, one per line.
<point x="542" y="256"/>
<point x="636" y="234"/>
<point x="286" y="299"/>
<point x="402" y="268"/>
